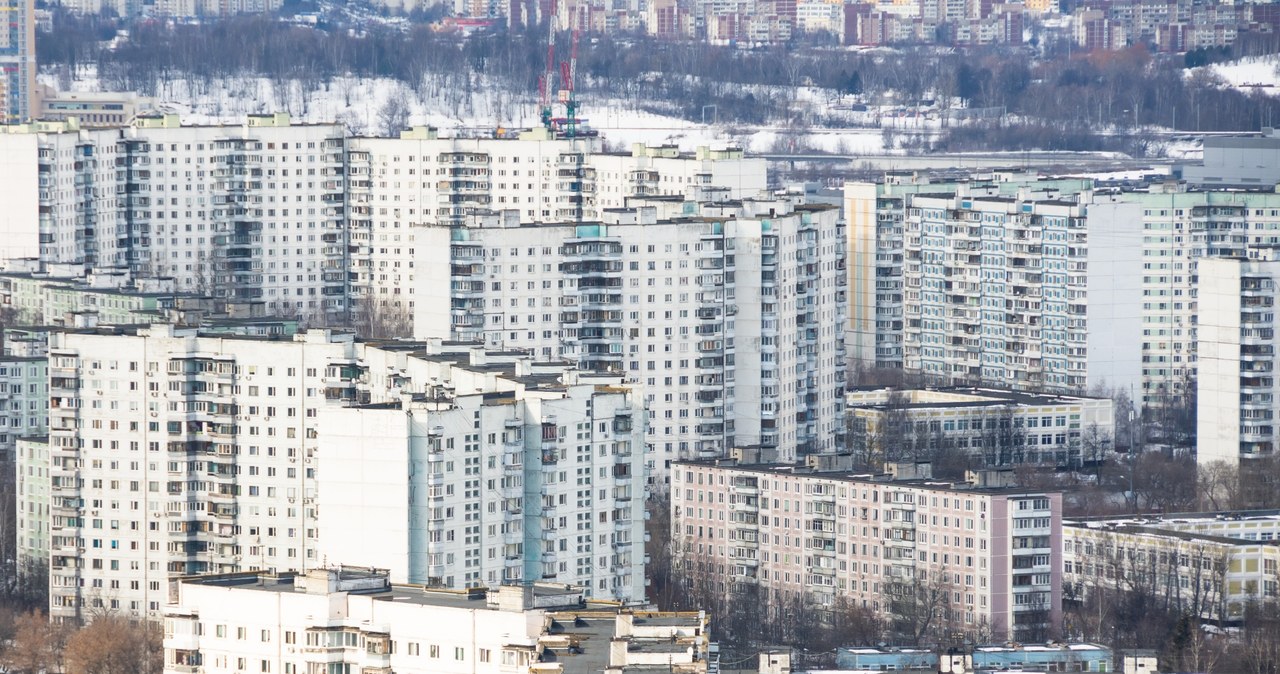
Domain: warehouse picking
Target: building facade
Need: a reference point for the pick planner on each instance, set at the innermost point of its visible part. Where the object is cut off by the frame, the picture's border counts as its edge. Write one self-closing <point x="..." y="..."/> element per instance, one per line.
<point x="24" y="388"/>
<point x="1000" y="428"/>
<point x="19" y="99"/>
<point x="176" y="451"/>
<point x="1236" y="350"/>
<point x="992" y="555"/>
<point x="1207" y="564"/>
<point x="219" y="208"/>
<point x="345" y="619"/>
<point x="501" y="471"/>
<point x="727" y="313"/>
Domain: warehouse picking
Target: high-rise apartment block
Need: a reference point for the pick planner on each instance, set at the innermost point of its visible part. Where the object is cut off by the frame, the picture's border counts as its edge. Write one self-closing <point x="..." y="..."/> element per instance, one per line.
<point x="171" y="452"/>
<point x="497" y="471"/>
<point x="302" y="218"/>
<point x="993" y="284"/>
<point x="18" y="99"/>
<point x="1041" y="284"/>
<point x="1236" y="348"/>
<point x="728" y="314"/>
<point x="992" y="556"/>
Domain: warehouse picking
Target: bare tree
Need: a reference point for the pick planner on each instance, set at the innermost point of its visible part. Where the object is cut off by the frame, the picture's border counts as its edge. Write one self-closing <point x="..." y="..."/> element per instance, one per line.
<point x="36" y="647"/>
<point x="115" y="645"/>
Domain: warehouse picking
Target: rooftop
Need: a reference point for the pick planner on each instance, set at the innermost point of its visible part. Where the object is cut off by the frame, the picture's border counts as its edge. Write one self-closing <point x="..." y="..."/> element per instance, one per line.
<point x="855" y="477"/>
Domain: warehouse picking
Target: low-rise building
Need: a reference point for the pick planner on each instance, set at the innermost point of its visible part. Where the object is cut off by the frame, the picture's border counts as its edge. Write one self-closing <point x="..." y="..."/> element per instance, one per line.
<point x="347" y="620"/>
<point x="992" y="555"/>
<point x="1000" y="427"/>
<point x="1208" y="564"/>
<point x="93" y="109"/>
<point x="1051" y="657"/>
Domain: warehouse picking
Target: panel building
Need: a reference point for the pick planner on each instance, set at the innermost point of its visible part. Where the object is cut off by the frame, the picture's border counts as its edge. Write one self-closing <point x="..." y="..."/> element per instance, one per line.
<point x="499" y="471"/>
<point x="1236" y="346"/>
<point x="220" y="208"/>
<point x="1206" y="564"/>
<point x="993" y="285"/>
<point x="353" y="619"/>
<point x="727" y="313"/>
<point x="174" y="452"/>
<point x="18" y="95"/>
<point x="993" y="556"/>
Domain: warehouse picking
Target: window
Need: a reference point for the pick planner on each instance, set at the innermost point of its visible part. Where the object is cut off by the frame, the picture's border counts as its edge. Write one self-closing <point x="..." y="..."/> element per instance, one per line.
<point x="413" y="648"/>
<point x="484" y="655"/>
<point x="459" y="653"/>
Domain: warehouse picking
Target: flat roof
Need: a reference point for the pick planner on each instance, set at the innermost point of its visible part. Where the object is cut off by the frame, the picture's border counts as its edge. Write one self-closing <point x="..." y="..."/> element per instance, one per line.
<point x="856" y="477"/>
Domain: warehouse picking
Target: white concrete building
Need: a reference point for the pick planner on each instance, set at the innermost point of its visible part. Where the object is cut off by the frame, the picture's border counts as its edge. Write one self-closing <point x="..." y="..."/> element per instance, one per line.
<point x="498" y="470"/>
<point x="1005" y="284"/>
<point x="172" y="451"/>
<point x="302" y="218"/>
<point x="173" y="454"/>
<point x="1236" y="346"/>
<point x="250" y="212"/>
<point x="349" y="620"/>
<point x="728" y="314"/>
<point x="1001" y="428"/>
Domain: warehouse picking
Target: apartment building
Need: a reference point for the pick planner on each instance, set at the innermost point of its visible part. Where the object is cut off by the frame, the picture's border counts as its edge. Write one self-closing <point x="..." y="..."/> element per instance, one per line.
<point x="1107" y="296"/>
<point x="1207" y="564"/>
<point x="1180" y="229"/>
<point x="349" y="619"/>
<point x="728" y="313"/>
<point x="999" y="427"/>
<point x="299" y="217"/>
<point x="250" y="212"/>
<point x="24" y="393"/>
<point x="174" y="451"/>
<point x="32" y="512"/>
<point x="1002" y="290"/>
<point x="19" y="97"/>
<point x="1236" y="350"/>
<point x="877" y="228"/>
<point x="994" y="556"/>
<point x="499" y="471"/>
<point x="171" y="453"/>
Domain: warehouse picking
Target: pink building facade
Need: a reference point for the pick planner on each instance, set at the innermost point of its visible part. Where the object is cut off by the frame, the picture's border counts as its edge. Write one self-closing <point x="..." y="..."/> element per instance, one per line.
<point x="989" y="559"/>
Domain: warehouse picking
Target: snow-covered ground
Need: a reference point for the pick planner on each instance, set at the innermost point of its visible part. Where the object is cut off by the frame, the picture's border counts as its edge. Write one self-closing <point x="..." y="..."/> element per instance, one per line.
<point x="1254" y="73"/>
<point x="451" y="103"/>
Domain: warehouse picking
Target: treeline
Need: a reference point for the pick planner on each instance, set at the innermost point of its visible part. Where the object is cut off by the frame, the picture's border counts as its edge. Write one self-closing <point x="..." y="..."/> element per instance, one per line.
<point x="1058" y="103"/>
<point x="31" y="644"/>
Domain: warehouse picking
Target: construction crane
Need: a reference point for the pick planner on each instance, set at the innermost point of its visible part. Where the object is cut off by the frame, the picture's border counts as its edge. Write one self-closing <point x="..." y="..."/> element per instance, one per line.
<point x="568" y="73"/>
<point x="547" y="81"/>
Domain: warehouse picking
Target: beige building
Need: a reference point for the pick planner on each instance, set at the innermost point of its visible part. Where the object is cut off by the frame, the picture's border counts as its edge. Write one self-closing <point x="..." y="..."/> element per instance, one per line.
<point x="1210" y="564"/>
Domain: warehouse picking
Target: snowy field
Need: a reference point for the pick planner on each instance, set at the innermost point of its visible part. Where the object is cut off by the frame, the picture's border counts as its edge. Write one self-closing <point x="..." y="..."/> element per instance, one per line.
<point x="1256" y="73"/>
<point x="451" y="103"/>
